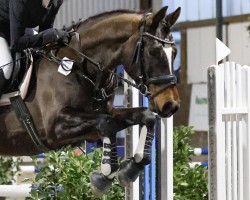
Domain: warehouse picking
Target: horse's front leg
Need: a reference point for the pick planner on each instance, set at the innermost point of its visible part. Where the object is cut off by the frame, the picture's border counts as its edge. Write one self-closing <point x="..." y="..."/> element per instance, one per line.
<point x="101" y="182"/>
<point x="108" y="127"/>
<point x="72" y="124"/>
<point x="131" y="168"/>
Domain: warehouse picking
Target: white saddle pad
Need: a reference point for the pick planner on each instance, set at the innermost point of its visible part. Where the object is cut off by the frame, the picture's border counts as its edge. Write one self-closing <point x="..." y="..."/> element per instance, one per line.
<point x="23" y="88"/>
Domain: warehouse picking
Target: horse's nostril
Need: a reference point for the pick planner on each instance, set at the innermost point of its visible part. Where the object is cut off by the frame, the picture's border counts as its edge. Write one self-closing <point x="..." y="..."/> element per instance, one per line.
<point x="167" y="106"/>
<point x="170" y="107"/>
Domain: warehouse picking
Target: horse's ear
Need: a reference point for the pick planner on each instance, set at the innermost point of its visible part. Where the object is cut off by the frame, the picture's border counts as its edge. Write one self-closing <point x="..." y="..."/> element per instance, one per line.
<point x="172" y="17"/>
<point x="157" y="17"/>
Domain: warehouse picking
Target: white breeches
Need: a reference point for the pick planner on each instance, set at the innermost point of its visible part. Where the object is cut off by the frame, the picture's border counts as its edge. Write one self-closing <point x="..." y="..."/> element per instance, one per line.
<point x="6" y="61"/>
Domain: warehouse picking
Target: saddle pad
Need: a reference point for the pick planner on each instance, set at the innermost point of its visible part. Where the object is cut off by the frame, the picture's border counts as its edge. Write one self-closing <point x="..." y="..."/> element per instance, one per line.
<point x="23" y="88"/>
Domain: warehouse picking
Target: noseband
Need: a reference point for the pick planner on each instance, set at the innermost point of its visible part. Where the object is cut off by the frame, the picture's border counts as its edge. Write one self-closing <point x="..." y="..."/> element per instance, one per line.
<point x="138" y="58"/>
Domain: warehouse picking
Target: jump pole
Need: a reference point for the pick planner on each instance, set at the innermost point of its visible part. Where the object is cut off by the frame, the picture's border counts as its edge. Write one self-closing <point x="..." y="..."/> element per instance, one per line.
<point x="167" y="173"/>
<point x="132" y="137"/>
<point x="15" y="190"/>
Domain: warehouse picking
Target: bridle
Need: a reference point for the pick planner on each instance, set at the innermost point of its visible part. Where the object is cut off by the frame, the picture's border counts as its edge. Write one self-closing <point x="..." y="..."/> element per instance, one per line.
<point x="138" y="58"/>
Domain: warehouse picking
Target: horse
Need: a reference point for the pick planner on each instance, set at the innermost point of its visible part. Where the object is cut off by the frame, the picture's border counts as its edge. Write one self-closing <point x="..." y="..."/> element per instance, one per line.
<point x="67" y="109"/>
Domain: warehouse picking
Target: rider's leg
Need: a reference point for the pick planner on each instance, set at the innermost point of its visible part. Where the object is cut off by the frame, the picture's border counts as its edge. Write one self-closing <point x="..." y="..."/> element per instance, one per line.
<point x="6" y="63"/>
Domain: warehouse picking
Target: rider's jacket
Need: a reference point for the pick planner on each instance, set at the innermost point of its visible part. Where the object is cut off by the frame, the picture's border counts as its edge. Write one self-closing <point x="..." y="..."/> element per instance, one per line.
<point x="17" y="15"/>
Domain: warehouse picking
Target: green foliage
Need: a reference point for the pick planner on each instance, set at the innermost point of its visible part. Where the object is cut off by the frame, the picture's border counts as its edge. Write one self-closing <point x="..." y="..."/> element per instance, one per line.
<point x="66" y="176"/>
<point x="189" y="184"/>
<point x="8" y="168"/>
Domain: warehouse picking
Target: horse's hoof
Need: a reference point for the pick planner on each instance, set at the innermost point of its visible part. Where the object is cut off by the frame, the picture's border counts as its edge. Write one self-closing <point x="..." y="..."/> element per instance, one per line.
<point x="129" y="172"/>
<point x="99" y="184"/>
<point x="123" y="180"/>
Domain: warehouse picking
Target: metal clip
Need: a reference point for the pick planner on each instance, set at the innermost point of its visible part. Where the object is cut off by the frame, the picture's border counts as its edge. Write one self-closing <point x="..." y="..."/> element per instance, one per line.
<point x="143" y="89"/>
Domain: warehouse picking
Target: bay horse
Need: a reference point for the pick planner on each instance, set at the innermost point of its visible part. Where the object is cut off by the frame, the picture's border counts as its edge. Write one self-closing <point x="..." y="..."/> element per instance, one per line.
<point x="68" y="109"/>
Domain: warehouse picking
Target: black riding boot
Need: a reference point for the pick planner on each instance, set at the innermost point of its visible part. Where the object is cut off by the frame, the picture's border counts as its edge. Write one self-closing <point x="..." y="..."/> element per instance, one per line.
<point x="3" y="80"/>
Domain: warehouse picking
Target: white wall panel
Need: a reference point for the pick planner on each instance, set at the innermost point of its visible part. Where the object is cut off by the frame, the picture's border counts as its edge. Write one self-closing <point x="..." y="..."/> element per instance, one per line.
<point x="73" y="10"/>
<point x="245" y="6"/>
<point x="206" y="10"/>
<point x="192" y="7"/>
<point x="225" y="8"/>
<point x="201" y="49"/>
<point x="183" y="5"/>
<point x="193" y="10"/>
<point x="239" y="43"/>
<point x="172" y="5"/>
<point x="235" y="7"/>
<point x="200" y="53"/>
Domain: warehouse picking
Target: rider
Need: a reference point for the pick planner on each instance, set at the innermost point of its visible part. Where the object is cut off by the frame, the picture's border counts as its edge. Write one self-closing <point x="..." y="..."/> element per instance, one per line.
<point x="17" y="18"/>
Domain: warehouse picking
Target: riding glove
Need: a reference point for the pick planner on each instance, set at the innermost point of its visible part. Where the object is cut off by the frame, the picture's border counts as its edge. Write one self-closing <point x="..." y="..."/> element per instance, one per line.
<point x="54" y="35"/>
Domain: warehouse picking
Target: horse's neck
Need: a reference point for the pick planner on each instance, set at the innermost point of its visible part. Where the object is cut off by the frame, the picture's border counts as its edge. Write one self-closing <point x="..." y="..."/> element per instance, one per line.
<point x="103" y="40"/>
<point x="109" y="30"/>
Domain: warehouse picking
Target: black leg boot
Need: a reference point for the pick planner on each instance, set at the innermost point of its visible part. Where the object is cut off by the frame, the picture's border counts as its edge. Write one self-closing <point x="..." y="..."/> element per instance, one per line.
<point x="3" y="81"/>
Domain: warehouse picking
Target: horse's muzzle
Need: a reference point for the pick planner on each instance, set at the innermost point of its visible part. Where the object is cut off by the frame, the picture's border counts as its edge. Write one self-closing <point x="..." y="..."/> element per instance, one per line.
<point x="168" y="109"/>
<point x="165" y="101"/>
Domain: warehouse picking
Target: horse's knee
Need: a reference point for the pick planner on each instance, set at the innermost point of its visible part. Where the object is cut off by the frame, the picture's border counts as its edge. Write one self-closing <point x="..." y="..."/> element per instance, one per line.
<point x="106" y="125"/>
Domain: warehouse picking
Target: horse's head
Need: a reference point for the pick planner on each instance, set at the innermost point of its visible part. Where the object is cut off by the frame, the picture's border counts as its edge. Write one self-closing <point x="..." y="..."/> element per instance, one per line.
<point x="142" y="43"/>
<point x="152" y="61"/>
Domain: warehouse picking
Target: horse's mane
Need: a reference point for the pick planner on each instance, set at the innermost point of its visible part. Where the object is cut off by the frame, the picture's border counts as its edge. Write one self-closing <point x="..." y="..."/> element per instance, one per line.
<point x="101" y="16"/>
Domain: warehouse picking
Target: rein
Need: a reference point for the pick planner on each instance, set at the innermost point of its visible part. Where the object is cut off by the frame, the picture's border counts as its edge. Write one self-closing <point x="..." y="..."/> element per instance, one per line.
<point x="137" y="58"/>
<point x="169" y="80"/>
<point x="99" y="66"/>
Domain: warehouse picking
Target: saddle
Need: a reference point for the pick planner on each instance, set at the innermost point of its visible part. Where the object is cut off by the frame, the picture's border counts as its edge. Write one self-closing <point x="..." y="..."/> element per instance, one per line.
<point x="19" y="82"/>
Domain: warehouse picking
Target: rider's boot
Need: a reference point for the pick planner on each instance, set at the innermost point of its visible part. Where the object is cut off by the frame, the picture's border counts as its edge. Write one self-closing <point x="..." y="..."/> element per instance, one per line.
<point x="6" y="64"/>
<point x="3" y="81"/>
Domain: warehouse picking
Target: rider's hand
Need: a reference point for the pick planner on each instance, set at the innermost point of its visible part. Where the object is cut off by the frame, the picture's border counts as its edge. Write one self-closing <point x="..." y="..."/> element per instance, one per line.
<point x="54" y="35"/>
<point x="61" y="36"/>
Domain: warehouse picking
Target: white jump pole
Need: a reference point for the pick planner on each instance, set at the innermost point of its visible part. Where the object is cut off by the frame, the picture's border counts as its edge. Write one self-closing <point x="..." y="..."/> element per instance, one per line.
<point x="29" y="169"/>
<point x="15" y="190"/>
<point x="132" y="137"/>
<point x="167" y="159"/>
